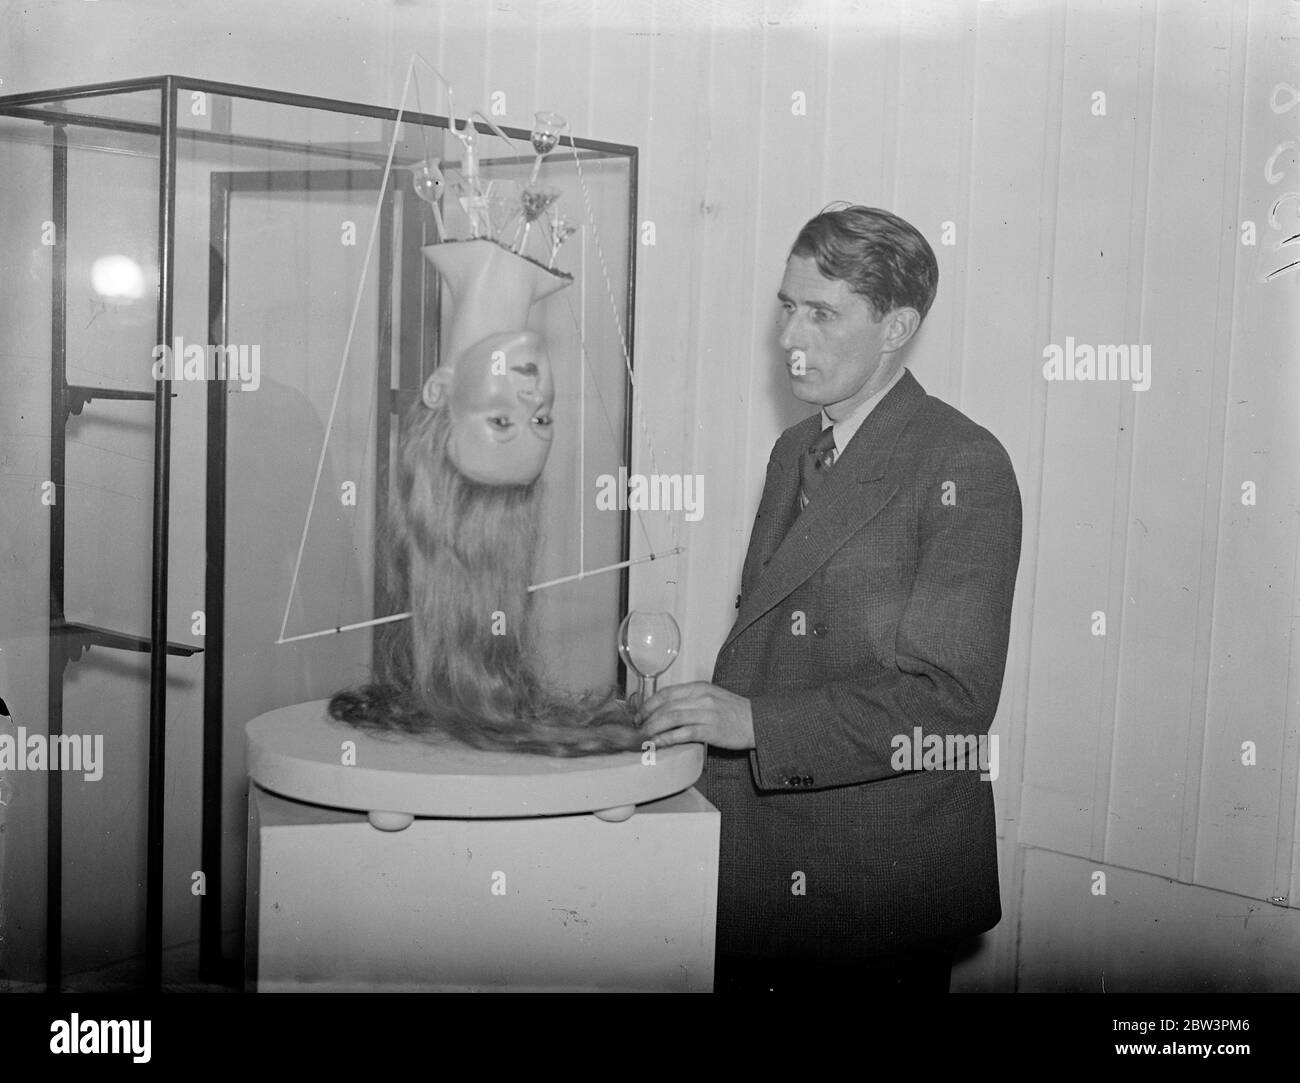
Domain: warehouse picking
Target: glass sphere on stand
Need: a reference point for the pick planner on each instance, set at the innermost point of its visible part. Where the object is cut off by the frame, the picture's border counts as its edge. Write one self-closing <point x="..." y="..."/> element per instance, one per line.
<point x="648" y="644"/>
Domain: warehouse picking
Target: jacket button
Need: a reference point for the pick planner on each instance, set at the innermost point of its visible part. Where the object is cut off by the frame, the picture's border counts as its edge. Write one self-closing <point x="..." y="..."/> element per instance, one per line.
<point x="820" y="630"/>
<point x="807" y="780"/>
<point x="737" y="601"/>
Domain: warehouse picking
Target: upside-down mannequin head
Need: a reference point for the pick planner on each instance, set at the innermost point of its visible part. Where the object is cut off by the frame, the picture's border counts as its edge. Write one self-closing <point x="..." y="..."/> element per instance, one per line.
<point x="498" y="393"/>
<point x="459" y="555"/>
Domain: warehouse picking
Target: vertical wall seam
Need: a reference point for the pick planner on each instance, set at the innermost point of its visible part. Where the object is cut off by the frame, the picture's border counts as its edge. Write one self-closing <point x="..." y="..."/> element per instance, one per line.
<point x="1122" y="504"/>
<point x="1288" y="798"/>
<point x="1216" y="444"/>
<point x="828" y="83"/>
<point x="958" y="337"/>
<point x="891" y="107"/>
<point x="759" y="203"/>
<point x="1049" y="191"/>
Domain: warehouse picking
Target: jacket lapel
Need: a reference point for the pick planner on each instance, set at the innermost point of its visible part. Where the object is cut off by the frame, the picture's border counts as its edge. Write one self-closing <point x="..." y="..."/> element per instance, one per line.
<point x="858" y="486"/>
<point x="779" y="506"/>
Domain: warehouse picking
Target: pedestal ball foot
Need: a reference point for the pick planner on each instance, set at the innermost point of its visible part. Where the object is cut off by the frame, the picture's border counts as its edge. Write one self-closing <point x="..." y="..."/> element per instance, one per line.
<point x="615" y="815"/>
<point x="390" y="821"/>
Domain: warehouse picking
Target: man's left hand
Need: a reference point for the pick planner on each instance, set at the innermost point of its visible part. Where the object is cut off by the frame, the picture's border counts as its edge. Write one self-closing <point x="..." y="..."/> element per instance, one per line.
<point x="698" y="711"/>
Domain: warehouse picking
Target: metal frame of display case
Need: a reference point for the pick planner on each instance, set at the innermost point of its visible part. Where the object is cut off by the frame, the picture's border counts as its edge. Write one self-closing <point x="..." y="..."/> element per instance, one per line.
<point x="68" y="640"/>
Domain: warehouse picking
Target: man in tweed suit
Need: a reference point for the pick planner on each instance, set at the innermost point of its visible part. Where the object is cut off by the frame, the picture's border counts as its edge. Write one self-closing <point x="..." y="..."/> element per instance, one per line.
<point x="875" y="600"/>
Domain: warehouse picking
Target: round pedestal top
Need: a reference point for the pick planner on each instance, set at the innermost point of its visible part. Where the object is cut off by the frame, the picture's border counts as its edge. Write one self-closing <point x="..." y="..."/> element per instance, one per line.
<point x="299" y="752"/>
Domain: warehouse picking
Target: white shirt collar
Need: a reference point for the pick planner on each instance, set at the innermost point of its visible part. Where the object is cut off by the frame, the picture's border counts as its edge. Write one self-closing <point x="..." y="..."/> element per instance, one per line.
<point x="845" y="429"/>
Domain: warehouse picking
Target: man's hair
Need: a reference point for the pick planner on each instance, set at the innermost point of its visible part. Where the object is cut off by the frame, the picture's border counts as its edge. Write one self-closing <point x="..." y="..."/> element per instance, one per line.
<point x="881" y="257"/>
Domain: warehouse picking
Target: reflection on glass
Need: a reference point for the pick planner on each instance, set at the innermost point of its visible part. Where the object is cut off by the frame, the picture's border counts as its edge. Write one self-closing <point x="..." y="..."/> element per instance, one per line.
<point x="117" y="278"/>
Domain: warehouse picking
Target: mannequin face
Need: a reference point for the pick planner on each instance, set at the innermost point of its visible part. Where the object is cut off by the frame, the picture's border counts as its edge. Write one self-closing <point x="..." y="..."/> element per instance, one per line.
<point x="500" y="393"/>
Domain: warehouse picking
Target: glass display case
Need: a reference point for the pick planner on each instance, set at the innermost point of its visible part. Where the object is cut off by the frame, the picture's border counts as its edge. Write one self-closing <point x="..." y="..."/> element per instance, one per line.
<point x="216" y="306"/>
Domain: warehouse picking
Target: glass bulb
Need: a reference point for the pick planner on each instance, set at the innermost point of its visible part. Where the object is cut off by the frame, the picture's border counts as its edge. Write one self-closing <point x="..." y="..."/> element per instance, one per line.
<point x="648" y="644"/>
<point x="428" y="181"/>
<point x="546" y="132"/>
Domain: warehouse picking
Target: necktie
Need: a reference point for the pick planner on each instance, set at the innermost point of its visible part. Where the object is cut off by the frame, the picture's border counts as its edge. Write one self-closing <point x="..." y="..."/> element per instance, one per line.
<point x="816" y="462"/>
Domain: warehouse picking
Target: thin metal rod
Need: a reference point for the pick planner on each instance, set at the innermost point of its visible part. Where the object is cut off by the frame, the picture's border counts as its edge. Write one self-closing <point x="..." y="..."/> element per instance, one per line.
<point x="629" y="392"/>
<point x="143" y="127"/>
<point x="343" y="628"/>
<point x="336" y="105"/>
<point x="161" y="521"/>
<point x="388" y="242"/>
<point x="214" y="588"/>
<point x="607" y="568"/>
<point x="593" y="158"/>
<point x="535" y="586"/>
<point x="278" y="97"/>
<point x="88" y="90"/>
<point x="58" y="650"/>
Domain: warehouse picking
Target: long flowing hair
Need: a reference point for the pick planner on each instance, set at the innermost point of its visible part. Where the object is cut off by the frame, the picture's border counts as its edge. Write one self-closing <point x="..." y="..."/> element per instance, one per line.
<point x="461" y="554"/>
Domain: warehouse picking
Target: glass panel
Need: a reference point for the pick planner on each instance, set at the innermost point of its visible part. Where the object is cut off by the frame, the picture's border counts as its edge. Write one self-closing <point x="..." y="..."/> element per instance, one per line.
<point x="293" y="257"/>
<point x="85" y="473"/>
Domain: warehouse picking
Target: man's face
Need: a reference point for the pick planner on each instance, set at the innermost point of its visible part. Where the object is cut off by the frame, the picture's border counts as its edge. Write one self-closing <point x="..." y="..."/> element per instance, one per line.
<point x="500" y="398"/>
<point x="837" y="354"/>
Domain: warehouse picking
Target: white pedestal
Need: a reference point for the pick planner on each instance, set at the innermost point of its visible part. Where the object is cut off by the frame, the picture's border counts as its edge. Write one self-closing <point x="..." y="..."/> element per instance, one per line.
<point x="526" y="903"/>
